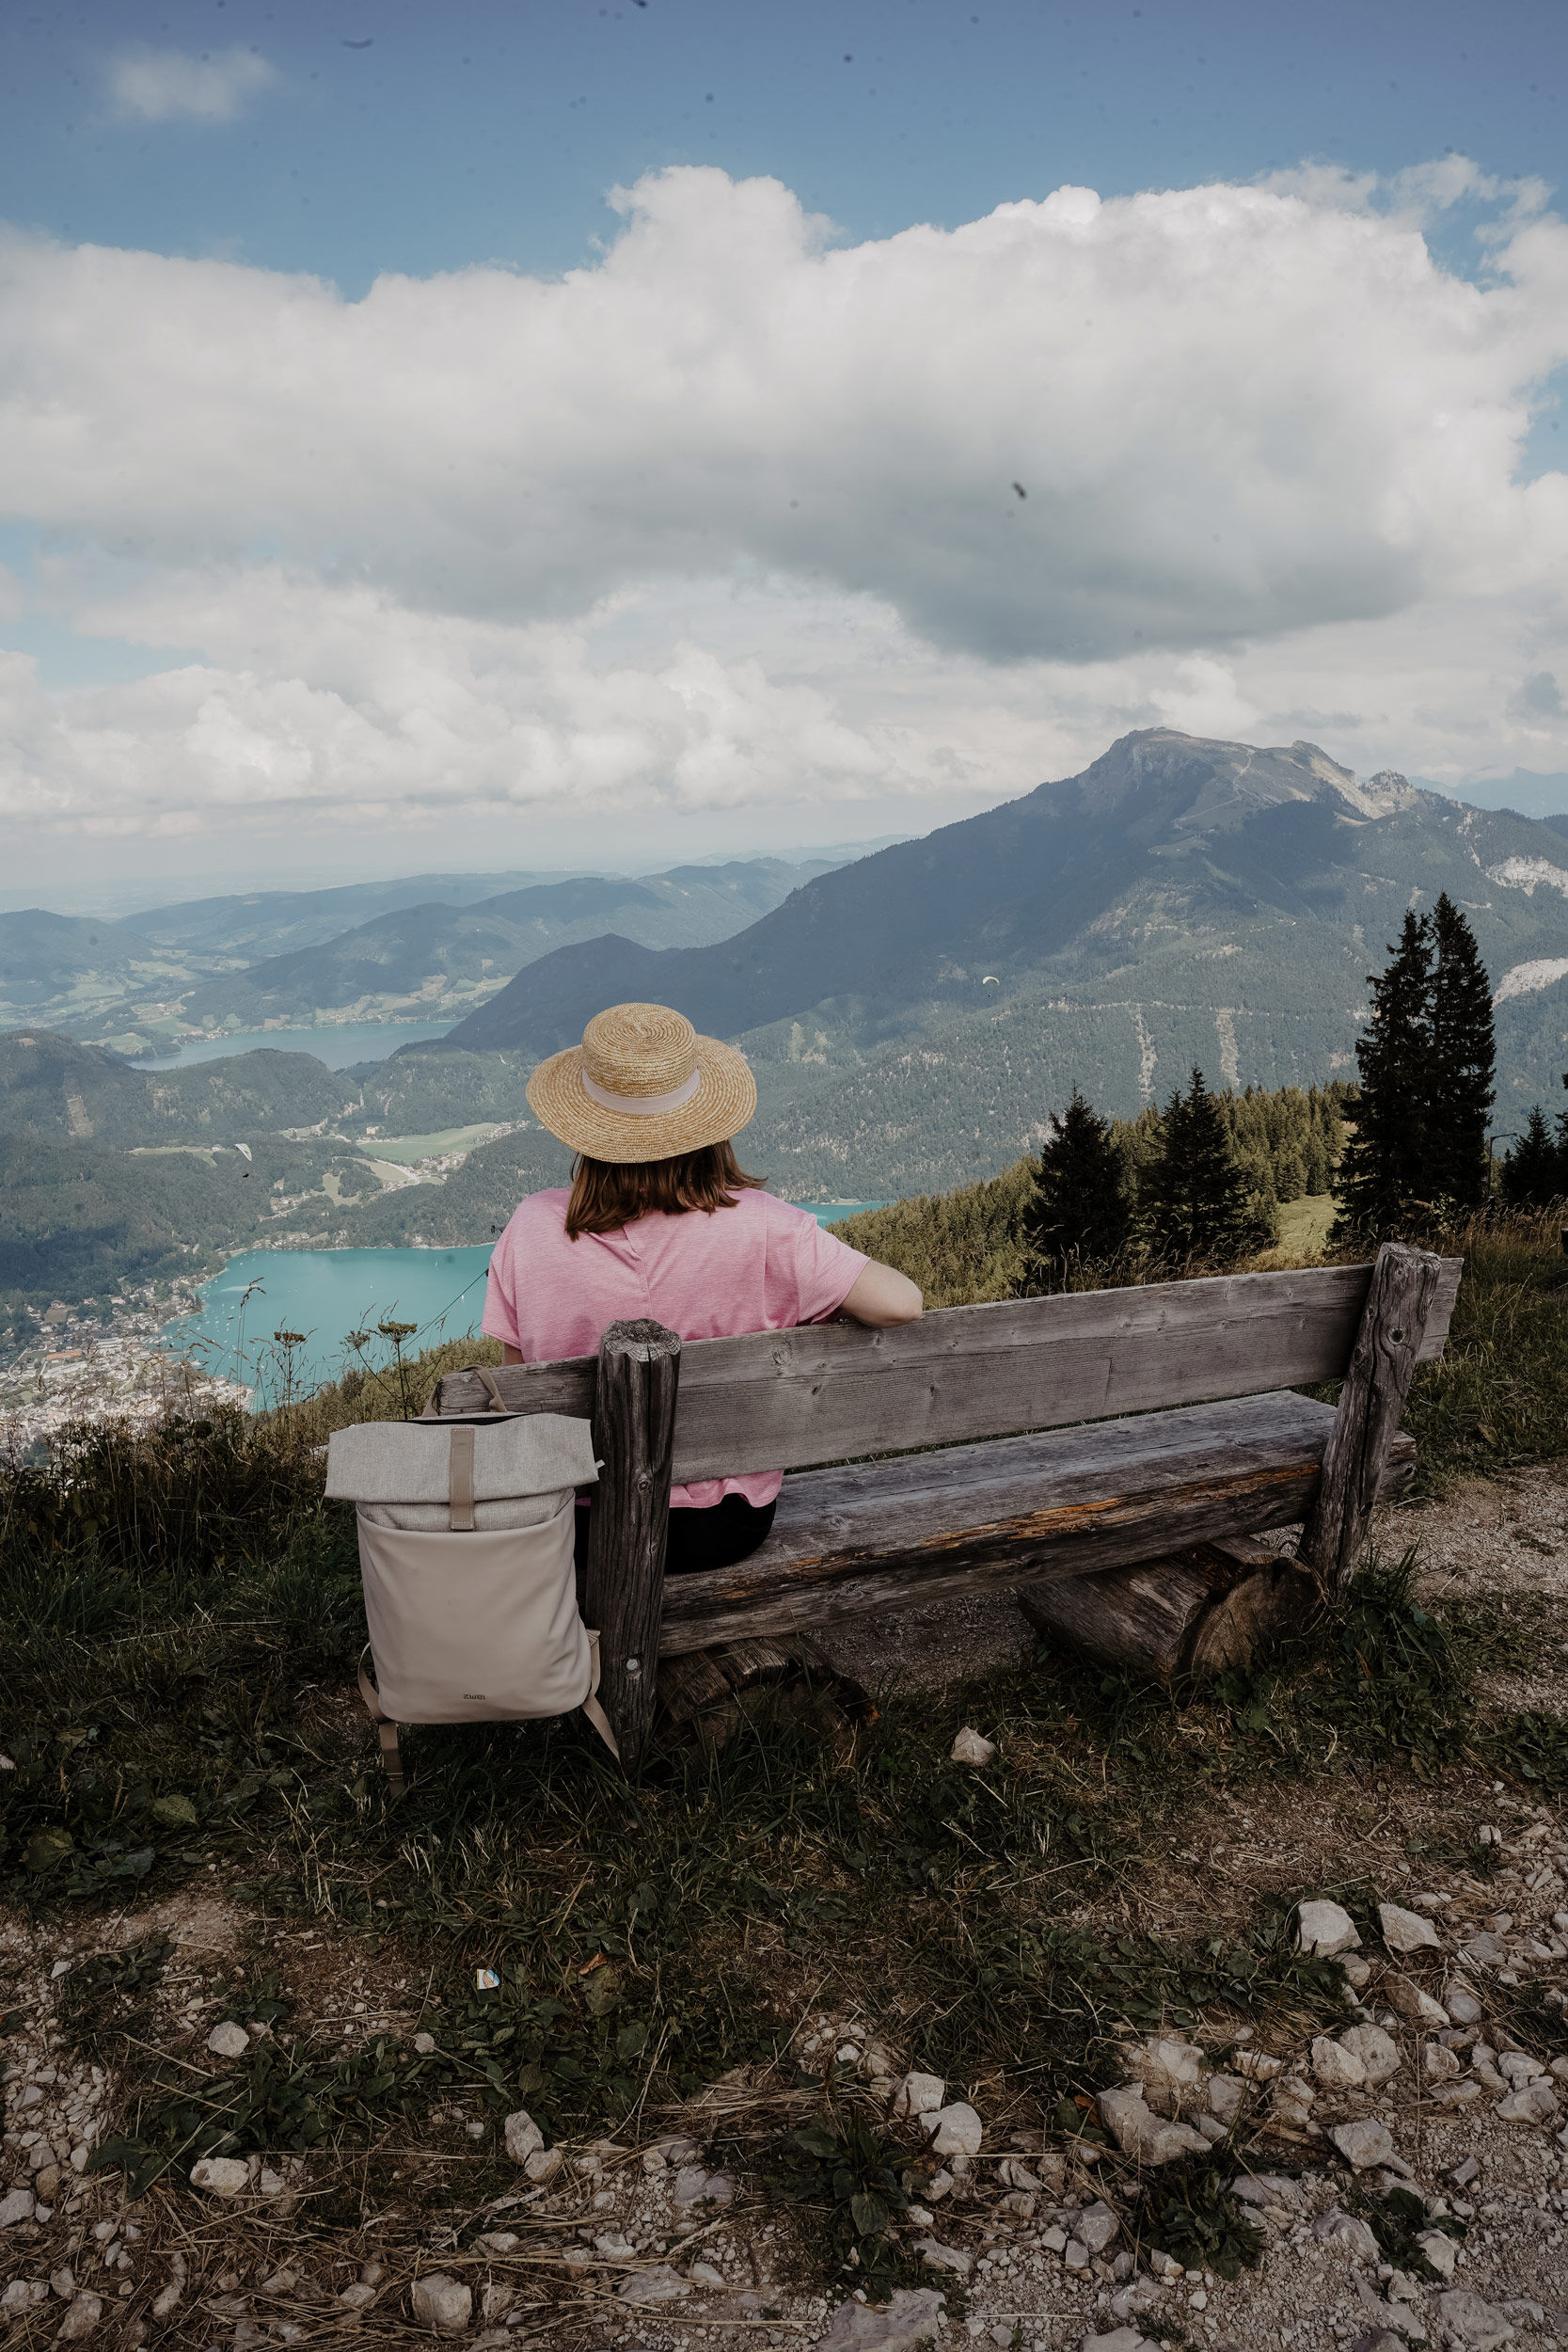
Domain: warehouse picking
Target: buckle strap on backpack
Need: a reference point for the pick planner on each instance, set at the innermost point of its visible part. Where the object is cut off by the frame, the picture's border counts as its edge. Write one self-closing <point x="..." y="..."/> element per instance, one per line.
<point x="591" y="1707"/>
<point x="460" y="1479"/>
<point x="390" y="1756"/>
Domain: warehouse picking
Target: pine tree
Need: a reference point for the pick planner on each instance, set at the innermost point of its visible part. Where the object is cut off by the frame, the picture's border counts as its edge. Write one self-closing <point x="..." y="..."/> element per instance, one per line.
<point x="1079" y="1213"/>
<point x="1195" y="1198"/>
<point x="1464" y="1058"/>
<point x="1532" y="1174"/>
<point x="1383" y="1174"/>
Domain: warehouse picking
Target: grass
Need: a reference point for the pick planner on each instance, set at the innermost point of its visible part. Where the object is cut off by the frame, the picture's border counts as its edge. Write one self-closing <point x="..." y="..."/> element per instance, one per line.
<point x="407" y="1150"/>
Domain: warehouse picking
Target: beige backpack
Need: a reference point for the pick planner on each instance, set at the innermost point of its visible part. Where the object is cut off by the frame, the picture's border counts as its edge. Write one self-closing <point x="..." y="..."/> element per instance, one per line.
<point x="465" y="1552"/>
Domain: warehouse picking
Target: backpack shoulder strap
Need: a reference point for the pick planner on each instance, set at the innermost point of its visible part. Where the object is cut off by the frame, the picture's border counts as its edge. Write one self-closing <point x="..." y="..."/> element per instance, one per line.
<point x="486" y="1374"/>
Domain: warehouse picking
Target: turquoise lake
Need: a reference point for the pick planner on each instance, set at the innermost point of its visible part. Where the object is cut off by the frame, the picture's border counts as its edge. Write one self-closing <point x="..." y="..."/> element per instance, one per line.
<point x="326" y="1294"/>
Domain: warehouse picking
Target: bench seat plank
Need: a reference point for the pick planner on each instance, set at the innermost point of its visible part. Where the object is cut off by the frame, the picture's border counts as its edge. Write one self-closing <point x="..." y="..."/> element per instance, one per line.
<point x="785" y="1400"/>
<point x="1068" y="1503"/>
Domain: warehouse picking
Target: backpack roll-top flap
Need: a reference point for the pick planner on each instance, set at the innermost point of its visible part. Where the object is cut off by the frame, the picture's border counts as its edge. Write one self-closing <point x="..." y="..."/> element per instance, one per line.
<point x="411" y="1462"/>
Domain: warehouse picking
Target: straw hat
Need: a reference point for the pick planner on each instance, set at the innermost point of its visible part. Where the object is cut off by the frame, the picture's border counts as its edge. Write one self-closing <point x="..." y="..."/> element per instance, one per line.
<point x="642" y="1086"/>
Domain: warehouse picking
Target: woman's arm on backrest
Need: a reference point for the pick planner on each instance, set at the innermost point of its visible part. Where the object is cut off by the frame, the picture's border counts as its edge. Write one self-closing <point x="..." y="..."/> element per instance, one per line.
<point x="882" y="1297"/>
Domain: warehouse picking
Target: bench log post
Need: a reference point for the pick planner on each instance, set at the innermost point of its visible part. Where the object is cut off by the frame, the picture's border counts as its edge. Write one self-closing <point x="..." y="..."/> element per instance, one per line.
<point x="1381" y="1366"/>
<point x="634" y="1431"/>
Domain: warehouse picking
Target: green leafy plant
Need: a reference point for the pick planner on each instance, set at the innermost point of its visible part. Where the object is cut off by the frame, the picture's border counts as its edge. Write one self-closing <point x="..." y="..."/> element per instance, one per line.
<point x="1189" y="2211"/>
<point x="846" y="2160"/>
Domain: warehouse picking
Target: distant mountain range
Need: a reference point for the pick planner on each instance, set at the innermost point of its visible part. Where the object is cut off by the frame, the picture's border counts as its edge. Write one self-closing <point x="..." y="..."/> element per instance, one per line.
<point x="916" y="1016"/>
<point x="425" y="947"/>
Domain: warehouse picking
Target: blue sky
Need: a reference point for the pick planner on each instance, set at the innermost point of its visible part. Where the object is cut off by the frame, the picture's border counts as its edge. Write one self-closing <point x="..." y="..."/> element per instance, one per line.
<point x="745" y="659"/>
<point x="467" y="133"/>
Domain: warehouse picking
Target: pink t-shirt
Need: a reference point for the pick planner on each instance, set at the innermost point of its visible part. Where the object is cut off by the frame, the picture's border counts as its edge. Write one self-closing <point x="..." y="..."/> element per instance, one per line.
<point x="761" y="1266"/>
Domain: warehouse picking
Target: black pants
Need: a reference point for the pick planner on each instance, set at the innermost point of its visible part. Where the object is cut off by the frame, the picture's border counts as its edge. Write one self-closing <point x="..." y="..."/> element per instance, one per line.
<point x="713" y="1538"/>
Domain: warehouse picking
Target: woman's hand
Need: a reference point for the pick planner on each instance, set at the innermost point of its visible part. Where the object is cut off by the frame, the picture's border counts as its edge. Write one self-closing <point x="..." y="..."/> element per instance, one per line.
<point x="882" y="1297"/>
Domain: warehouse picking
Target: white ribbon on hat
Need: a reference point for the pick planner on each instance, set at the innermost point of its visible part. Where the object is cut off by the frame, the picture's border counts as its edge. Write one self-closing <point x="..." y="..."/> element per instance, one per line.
<point x="642" y="1106"/>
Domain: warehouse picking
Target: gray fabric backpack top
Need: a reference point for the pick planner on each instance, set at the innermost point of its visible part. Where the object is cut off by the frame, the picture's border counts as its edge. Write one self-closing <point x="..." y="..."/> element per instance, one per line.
<point x="466" y="1551"/>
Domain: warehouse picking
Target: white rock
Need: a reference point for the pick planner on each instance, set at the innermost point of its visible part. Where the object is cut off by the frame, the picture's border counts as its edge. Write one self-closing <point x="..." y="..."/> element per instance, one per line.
<point x="1325" y="1930"/>
<point x="1364" y="2143"/>
<point x="221" y="2176"/>
<point x="63" y="2282"/>
<point x="705" y="2275"/>
<point x="1337" y="2068"/>
<point x="955" y="2130"/>
<point x="1355" y="1971"/>
<point x="918" y="2094"/>
<point x="1224" y="2093"/>
<point x="936" y="2256"/>
<point x="81" y="2319"/>
<point x="1517" y="2067"/>
<point x="1472" y="2324"/>
<point x="425" y="2044"/>
<point x="1535" y="2104"/>
<point x="1405" y="1930"/>
<point x="443" y="2303"/>
<point x="1439" y="2064"/>
<point x="1379" y="2052"/>
<point x="1346" y="2235"/>
<point x="228" y="2039"/>
<point x="1290" y="2103"/>
<point x="657" y="2284"/>
<point x="1461" y="2003"/>
<point x="1096" y="2226"/>
<point x="1167" y="2071"/>
<point x="18" y="2205"/>
<point x="1405" y="1996"/>
<point x="1141" y="2133"/>
<point x="544" y="2164"/>
<point x="358" y="2297"/>
<point x="1120" y="2340"/>
<point x="524" y="2137"/>
<point x="912" y="2317"/>
<point x="499" y="2241"/>
<point x="1014" y="2173"/>
<point x="19" y="2296"/>
<point x="1440" y="2249"/>
<point x="1257" y="2065"/>
<point x="972" y="1747"/>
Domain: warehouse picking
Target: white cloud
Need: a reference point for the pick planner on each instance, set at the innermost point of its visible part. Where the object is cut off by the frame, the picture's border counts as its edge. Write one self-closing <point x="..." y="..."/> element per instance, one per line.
<point x="170" y="85"/>
<point x="729" y="517"/>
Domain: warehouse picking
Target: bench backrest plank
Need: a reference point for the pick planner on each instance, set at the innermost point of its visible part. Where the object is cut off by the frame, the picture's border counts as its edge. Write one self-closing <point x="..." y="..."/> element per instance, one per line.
<point x="788" y="1400"/>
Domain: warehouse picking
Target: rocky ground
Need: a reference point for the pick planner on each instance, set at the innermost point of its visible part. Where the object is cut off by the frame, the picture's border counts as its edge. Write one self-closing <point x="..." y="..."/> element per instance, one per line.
<point x="1401" y="2180"/>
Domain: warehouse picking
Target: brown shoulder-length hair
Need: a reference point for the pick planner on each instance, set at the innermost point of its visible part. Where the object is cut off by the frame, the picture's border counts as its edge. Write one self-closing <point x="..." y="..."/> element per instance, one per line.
<point x="607" y="1194"/>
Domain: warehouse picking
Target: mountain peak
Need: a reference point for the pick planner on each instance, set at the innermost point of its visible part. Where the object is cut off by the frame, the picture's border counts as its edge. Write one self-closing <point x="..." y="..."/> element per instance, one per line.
<point x="1205" y="785"/>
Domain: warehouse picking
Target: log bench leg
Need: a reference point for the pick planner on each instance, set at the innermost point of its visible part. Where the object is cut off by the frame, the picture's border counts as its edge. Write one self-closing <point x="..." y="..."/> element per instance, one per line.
<point x="634" y="1432"/>
<point x="1381" y="1366"/>
<point x="1184" y="1617"/>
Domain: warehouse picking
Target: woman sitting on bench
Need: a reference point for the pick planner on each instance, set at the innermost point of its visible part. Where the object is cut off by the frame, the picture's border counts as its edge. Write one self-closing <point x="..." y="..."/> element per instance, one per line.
<point x="660" y="1223"/>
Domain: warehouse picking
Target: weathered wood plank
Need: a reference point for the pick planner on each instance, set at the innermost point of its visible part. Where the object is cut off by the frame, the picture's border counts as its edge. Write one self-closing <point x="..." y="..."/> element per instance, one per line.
<point x="1022" y="1510"/>
<point x="1388" y="1348"/>
<point x="777" y="1400"/>
<point x="634" y="1420"/>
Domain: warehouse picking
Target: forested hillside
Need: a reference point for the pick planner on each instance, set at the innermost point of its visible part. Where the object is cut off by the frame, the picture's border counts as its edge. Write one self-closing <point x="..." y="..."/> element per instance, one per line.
<point x="974" y="1243"/>
<point x="915" y="1017"/>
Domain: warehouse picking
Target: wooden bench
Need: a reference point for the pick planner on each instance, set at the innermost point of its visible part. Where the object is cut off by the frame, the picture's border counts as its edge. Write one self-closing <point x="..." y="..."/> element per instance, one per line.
<point x="1017" y="1444"/>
